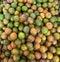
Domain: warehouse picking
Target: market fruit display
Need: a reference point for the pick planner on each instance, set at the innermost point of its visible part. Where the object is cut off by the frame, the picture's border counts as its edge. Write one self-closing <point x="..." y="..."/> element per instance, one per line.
<point x="29" y="31"/>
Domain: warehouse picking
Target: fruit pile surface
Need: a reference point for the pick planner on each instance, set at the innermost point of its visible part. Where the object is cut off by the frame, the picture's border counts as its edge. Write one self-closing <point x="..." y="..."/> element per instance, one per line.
<point x="29" y="31"/>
